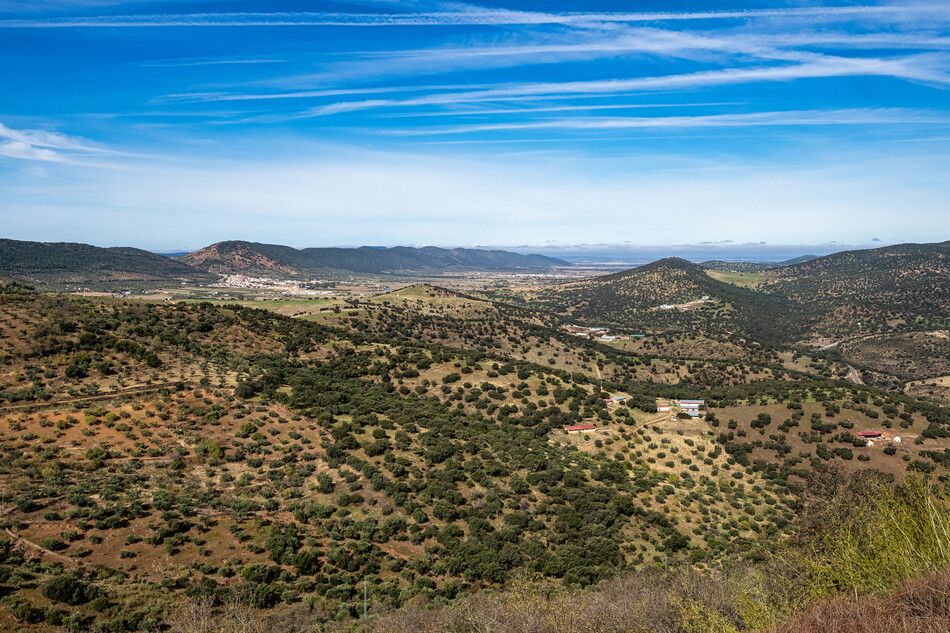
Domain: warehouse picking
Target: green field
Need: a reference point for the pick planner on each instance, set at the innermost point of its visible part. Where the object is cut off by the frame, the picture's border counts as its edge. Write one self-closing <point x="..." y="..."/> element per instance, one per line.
<point x="744" y="280"/>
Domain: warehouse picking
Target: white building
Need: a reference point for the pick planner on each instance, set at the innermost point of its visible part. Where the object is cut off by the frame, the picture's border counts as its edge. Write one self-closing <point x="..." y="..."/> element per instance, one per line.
<point x="691" y="407"/>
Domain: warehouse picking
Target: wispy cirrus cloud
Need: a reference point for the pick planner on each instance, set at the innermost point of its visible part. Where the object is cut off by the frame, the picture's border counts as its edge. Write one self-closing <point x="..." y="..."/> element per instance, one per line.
<point x="211" y="97"/>
<point x="574" y="45"/>
<point x="478" y="111"/>
<point x="187" y="63"/>
<point x="923" y="68"/>
<point x="585" y="45"/>
<point x="47" y="146"/>
<point x="853" y="41"/>
<point x="469" y="15"/>
<point x="867" y="116"/>
<point x="919" y="69"/>
<point x="37" y="6"/>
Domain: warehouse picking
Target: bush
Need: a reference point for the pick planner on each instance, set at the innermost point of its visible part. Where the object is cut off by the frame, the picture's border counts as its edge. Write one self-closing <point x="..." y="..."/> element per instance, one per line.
<point x="53" y="544"/>
<point x="70" y="588"/>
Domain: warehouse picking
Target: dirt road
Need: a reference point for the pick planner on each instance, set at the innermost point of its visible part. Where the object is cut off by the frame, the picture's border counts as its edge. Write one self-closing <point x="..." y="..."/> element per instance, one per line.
<point x="131" y="391"/>
<point x="854" y="376"/>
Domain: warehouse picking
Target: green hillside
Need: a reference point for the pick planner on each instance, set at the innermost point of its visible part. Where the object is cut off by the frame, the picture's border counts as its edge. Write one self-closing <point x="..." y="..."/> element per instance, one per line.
<point x="906" y="286"/>
<point x="896" y="288"/>
<point x="82" y="264"/>
<point x="673" y="293"/>
<point x="248" y="257"/>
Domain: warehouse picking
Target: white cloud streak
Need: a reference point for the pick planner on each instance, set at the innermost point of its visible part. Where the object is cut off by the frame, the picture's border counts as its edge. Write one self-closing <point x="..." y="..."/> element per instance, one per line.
<point x="46" y="146"/>
<point x="473" y="16"/>
<point x="560" y="108"/>
<point x="913" y="69"/>
<point x="619" y="42"/>
<point x="205" y="97"/>
<point x="25" y="151"/>
<point x="580" y="45"/>
<point x="755" y="119"/>
<point x="188" y="63"/>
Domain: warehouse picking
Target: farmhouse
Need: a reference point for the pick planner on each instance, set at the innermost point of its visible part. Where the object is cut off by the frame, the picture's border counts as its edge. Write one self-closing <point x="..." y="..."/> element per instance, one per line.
<point x="580" y="428"/>
<point x="874" y="435"/>
<point x="586" y="332"/>
<point x="691" y="407"/>
<point x="575" y="329"/>
<point x="685" y="306"/>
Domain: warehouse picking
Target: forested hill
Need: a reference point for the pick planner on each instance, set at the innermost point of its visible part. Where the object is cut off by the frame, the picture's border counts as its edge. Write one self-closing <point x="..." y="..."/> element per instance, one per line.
<point x="895" y="286"/>
<point x="902" y="287"/>
<point x="237" y="257"/>
<point x="674" y="293"/>
<point x="72" y="263"/>
<point x="895" y="269"/>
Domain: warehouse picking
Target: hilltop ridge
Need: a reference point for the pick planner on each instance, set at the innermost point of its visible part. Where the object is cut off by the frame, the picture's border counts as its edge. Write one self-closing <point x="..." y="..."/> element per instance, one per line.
<point x="239" y="257"/>
<point x="75" y="263"/>
<point x="69" y="264"/>
<point x="847" y="294"/>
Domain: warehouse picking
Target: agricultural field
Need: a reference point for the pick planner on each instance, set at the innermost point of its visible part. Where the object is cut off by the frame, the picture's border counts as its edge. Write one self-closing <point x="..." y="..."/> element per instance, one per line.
<point x="739" y="278"/>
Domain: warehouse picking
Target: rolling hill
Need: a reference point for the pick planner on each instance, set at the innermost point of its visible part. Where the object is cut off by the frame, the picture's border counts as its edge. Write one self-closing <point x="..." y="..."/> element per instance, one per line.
<point x="159" y="453"/>
<point x="673" y="293"/>
<point x="68" y="264"/>
<point x="853" y="293"/>
<point x="237" y="257"/>
<point x="868" y="291"/>
<point x="72" y="263"/>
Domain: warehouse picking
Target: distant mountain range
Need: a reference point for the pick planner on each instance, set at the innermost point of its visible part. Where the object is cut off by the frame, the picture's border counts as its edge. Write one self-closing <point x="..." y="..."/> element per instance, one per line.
<point x="66" y="263"/>
<point x="254" y="258"/>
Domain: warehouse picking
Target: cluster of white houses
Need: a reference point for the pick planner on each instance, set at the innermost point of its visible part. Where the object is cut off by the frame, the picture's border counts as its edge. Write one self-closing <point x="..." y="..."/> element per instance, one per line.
<point x="597" y="333"/>
<point x="692" y="408"/>
<point x="587" y="332"/>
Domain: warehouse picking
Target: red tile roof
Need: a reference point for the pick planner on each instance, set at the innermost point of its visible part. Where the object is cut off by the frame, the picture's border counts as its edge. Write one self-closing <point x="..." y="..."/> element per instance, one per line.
<point x="580" y="427"/>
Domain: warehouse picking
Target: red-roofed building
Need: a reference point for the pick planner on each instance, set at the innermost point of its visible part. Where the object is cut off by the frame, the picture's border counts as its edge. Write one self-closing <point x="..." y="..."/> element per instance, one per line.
<point x="580" y="428"/>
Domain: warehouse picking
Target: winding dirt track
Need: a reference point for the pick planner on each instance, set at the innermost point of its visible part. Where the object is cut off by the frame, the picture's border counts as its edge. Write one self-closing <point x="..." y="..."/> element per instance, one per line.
<point x="111" y="395"/>
<point x="38" y="549"/>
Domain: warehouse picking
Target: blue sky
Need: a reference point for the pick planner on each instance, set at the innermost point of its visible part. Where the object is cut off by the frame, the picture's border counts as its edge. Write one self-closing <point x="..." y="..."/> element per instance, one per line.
<point x="171" y="124"/>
